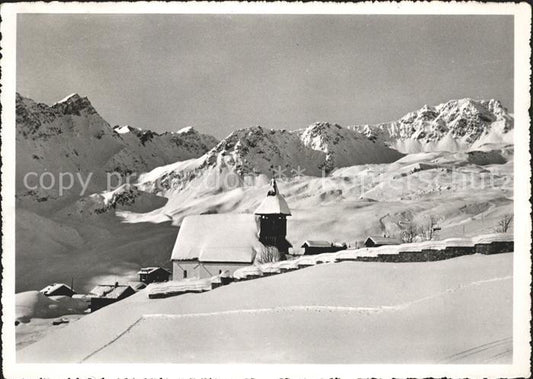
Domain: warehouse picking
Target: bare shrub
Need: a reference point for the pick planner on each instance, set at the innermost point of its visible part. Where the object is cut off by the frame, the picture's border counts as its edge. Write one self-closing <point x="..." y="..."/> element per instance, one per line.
<point x="412" y="231"/>
<point x="504" y="223"/>
<point x="429" y="228"/>
<point x="269" y="254"/>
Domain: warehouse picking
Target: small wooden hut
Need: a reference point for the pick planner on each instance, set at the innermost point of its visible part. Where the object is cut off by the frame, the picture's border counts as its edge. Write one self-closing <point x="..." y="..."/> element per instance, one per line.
<point x="149" y="275"/>
<point x="58" y="289"/>
<point x="376" y="241"/>
<point x="103" y="295"/>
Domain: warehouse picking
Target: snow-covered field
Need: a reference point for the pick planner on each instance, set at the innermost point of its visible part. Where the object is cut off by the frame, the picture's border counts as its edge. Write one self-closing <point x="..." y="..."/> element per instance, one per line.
<point x="347" y="206"/>
<point x="29" y="333"/>
<point x="454" y="311"/>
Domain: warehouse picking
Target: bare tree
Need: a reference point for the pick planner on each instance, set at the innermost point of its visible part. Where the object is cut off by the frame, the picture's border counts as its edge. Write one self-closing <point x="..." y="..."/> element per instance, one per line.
<point x="269" y="254"/>
<point x="431" y="228"/>
<point x="504" y="224"/>
<point x="410" y="231"/>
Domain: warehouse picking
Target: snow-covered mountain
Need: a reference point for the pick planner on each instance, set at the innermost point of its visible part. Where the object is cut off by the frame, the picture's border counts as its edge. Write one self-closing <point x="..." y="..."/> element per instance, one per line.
<point x="320" y="147"/>
<point x="456" y="125"/>
<point x="344" y="147"/>
<point x="70" y="136"/>
<point x="147" y="149"/>
<point x="370" y="187"/>
<point x="257" y="152"/>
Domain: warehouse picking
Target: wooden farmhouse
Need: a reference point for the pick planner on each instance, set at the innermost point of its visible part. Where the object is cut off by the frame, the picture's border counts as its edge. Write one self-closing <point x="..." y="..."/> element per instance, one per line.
<point x="208" y="245"/>
<point x="103" y="295"/>
<point x="149" y="275"/>
<point x="58" y="289"/>
<point x="319" y="247"/>
<point x="376" y="241"/>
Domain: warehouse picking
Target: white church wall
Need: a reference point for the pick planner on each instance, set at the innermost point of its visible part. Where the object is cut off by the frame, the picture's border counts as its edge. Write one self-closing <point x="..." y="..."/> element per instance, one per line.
<point x="194" y="269"/>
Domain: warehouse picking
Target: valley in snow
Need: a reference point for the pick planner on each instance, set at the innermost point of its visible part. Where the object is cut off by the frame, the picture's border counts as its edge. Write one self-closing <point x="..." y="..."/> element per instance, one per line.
<point x="449" y="166"/>
<point x="341" y="184"/>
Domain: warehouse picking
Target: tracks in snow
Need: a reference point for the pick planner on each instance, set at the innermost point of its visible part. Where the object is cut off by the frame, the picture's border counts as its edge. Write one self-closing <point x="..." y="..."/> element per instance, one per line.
<point x="326" y="308"/>
<point x="487" y="352"/>
<point x="498" y="348"/>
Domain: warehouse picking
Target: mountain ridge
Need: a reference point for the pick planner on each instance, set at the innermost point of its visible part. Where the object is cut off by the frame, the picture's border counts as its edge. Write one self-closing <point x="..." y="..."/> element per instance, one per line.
<point x="70" y="136"/>
<point x="455" y="125"/>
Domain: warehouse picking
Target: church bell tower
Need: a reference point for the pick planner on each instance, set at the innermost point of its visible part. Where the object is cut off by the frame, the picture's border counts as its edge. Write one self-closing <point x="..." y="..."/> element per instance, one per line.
<point x="272" y="214"/>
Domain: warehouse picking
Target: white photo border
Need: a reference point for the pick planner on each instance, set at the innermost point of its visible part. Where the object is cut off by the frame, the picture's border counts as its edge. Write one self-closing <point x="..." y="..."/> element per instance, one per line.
<point x="522" y="258"/>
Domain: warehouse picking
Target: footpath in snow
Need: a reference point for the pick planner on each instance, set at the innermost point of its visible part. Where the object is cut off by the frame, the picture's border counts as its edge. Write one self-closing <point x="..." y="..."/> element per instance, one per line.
<point x="350" y="312"/>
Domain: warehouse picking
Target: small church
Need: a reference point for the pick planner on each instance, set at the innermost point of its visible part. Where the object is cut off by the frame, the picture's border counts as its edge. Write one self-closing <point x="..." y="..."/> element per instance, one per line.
<point x="209" y="244"/>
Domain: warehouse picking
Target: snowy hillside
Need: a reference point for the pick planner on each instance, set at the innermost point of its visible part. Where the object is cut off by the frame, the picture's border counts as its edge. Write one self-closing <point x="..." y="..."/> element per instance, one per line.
<point x="452" y="126"/>
<point x="344" y="147"/>
<point x="354" y="201"/>
<point x="360" y="312"/>
<point x="467" y="192"/>
<point x="369" y="188"/>
<point x="70" y="136"/>
<point x="321" y="146"/>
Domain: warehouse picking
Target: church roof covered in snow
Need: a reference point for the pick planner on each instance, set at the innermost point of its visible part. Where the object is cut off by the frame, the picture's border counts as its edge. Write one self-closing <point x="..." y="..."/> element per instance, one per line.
<point x="274" y="203"/>
<point x="218" y="238"/>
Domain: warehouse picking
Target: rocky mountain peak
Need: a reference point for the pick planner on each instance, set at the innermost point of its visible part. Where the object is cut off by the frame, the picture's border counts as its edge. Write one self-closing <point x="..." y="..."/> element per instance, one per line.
<point x="454" y="125"/>
<point x="187" y="130"/>
<point x="123" y="129"/>
<point x="74" y="104"/>
<point x="321" y="128"/>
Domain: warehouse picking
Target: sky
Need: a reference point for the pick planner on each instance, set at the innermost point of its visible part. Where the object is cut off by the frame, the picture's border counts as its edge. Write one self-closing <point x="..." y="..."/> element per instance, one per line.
<point x="219" y="73"/>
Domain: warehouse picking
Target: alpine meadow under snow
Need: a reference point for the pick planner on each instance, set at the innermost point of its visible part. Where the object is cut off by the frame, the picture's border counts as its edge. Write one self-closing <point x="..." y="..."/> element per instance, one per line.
<point x="449" y="164"/>
<point x="343" y="185"/>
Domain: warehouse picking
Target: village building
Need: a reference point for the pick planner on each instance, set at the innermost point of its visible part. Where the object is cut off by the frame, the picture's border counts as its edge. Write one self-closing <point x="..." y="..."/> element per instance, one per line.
<point x="376" y="241"/>
<point x="58" y="289"/>
<point x="149" y="275"/>
<point x="319" y="247"/>
<point x="103" y="295"/>
<point x="210" y="244"/>
<point x="137" y="286"/>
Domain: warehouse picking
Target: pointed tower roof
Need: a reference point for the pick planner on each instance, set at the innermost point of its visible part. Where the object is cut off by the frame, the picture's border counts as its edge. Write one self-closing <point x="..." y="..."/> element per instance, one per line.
<point x="274" y="203"/>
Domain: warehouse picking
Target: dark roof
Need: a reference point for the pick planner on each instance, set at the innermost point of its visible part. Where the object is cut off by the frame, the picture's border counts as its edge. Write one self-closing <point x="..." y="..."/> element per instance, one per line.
<point x="54" y="287"/>
<point x="310" y="243"/>
<point x="149" y="270"/>
<point x="111" y="291"/>
<point x="137" y="285"/>
<point x="384" y="240"/>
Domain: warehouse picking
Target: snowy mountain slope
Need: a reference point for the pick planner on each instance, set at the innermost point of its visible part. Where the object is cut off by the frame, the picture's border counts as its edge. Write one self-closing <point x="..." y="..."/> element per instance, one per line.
<point x="344" y="147"/>
<point x="452" y="126"/>
<point x="319" y="148"/>
<point x="146" y="149"/>
<point x="346" y="206"/>
<point x="89" y="249"/>
<point x="353" y="201"/>
<point x="70" y="136"/>
<point x="255" y="153"/>
<point x="372" y="190"/>
<point x="466" y="301"/>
